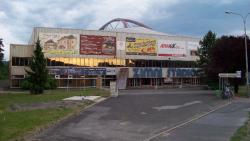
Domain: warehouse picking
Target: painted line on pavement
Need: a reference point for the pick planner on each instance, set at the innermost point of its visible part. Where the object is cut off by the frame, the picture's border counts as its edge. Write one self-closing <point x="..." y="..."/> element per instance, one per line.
<point x="187" y="122"/>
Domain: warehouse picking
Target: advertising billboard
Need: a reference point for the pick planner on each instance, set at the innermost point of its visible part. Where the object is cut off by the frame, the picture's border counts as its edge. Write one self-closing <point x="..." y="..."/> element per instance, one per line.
<point x="97" y="45"/>
<point x="55" y="43"/>
<point x="171" y="48"/>
<point x="141" y="46"/>
<point x="82" y="71"/>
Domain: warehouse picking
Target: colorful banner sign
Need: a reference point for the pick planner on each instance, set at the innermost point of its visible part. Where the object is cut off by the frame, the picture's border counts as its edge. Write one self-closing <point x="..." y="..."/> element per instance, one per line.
<point x="140" y="46"/>
<point x="55" y="43"/>
<point x="82" y="71"/>
<point x="171" y="48"/>
<point x="97" y="45"/>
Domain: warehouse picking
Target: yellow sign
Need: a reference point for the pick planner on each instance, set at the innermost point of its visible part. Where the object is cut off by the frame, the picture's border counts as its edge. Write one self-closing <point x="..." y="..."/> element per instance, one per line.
<point x="140" y="46"/>
<point x="60" y="52"/>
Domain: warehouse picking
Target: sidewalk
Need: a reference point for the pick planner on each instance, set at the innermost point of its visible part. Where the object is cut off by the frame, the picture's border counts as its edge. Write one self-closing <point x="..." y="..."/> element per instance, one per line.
<point x="217" y="126"/>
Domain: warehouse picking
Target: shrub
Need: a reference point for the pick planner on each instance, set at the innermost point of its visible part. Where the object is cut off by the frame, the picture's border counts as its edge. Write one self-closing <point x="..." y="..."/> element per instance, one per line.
<point x="51" y="83"/>
<point x="25" y="85"/>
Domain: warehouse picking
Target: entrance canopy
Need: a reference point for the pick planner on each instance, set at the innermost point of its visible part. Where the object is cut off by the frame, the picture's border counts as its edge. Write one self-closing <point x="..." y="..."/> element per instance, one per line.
<point x="230" y="75"/>
<point x="223" y="78"/>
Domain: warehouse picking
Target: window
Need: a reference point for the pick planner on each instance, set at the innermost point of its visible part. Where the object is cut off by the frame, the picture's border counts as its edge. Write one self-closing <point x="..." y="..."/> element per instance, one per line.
<point x="17" y="76"/>
<point x="21" y="61"/>
<point x="193" y="53"/>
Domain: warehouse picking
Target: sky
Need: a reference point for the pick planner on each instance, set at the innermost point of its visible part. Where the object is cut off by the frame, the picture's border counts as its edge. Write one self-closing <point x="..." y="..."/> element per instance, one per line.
<point x="178" y="17"/>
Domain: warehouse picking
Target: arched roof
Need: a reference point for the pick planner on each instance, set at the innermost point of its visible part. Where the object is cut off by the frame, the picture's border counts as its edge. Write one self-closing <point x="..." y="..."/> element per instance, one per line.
<point x="127" y="23"/>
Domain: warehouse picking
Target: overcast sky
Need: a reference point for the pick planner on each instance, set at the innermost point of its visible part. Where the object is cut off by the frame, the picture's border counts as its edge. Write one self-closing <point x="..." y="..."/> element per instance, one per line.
<point x="180" y="17"/>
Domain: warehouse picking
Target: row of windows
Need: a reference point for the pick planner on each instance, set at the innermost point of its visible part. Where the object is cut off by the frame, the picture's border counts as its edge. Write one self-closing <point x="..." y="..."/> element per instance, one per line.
<point x="99" y="62"/>
<point x="160" y="63"/>
<point x="16" y="83"/>
<point x="21" y="61"/>
<point x="108" y="62"/>
<point x="88" y="62"/>
<point x="131" y="82"/>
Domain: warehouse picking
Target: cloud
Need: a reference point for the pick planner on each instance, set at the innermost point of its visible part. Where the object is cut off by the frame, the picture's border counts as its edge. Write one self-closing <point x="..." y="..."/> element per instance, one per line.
<point x="190" y="17"/>
<point x="24" y="15"/>
<point x="2" y="15"/>
<point x="238" y="32"/>
<point x="138" y="10"/>
<point x="8" y="38"/>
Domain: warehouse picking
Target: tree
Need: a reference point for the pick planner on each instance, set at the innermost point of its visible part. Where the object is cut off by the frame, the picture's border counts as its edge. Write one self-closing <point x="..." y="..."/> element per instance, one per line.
<point x="228" y="56"/>
<point x="2" y="66"/>
<point x="204" y="52"/>
<point x="38" y="74"/>
<point x="1" y="51"/>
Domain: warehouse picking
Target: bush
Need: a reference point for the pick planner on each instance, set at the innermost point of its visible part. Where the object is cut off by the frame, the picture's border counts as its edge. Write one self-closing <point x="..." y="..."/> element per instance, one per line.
<point x="51" y="83"/>
<point x="37" y="90"/>
<point x="213" y="85"/>
<point x="4" y="71"/>
<point x="25" y="85"/>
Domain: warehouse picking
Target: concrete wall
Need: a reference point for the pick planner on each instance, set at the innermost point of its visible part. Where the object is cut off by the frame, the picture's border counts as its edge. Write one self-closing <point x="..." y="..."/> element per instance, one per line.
<point x="17" y="50"/>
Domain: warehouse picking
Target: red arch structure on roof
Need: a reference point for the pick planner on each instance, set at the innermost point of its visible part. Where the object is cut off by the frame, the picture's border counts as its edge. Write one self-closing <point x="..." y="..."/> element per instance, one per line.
<point x="125" y="23"/>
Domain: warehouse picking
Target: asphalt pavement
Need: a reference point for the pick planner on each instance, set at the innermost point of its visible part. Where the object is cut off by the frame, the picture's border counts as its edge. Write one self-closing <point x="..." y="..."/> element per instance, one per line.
<point x="217" y="126"/>
<point x="135" y="115"/>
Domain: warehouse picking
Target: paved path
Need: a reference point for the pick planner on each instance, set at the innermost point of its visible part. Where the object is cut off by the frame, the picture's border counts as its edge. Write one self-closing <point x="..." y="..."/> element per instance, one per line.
<point x="217" y="126"/>
<point x="133" y="117"/>
<point x="195" y="90"/>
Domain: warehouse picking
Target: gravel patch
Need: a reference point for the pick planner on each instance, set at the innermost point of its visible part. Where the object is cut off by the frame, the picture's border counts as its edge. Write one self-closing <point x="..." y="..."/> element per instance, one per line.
<point x="46" y="105"/>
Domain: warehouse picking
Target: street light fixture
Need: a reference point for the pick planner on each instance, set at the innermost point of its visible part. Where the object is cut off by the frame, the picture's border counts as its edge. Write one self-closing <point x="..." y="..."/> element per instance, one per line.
<point x="244" y="18"/>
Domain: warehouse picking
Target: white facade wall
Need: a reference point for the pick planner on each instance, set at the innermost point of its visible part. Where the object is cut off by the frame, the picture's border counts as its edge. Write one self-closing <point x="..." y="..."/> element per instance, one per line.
<point x="27" y="50"/>
<point x="17" y="50"/>
<point x="120" y="38"/>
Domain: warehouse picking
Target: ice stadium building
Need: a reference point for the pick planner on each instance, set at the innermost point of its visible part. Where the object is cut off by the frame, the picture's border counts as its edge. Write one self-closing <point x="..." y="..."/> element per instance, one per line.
<point x="122" y="50"/>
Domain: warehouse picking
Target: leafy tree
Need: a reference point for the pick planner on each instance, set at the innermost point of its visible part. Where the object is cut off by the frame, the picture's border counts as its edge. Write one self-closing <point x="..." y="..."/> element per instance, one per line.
<point x="2" y="66"/>
<point x="4" y="71"/>
<point x="38" y="73"/>
<point x="1" y="51"/>
<point x="204" y="52"/>
<point x="228" y="55"/>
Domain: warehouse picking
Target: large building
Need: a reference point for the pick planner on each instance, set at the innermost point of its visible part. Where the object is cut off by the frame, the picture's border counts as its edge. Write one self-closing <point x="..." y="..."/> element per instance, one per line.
<point x="133" y="56"/>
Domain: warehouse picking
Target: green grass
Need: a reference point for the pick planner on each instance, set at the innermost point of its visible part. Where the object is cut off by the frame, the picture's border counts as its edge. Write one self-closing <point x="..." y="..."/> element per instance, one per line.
<point x="14" y="125"/>
<point x="242" y="91"/>
<point x="243" y="133"/>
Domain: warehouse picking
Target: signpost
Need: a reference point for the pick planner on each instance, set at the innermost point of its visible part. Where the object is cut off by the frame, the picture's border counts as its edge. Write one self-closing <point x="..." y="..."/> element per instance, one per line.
<point x="223" y="78"/>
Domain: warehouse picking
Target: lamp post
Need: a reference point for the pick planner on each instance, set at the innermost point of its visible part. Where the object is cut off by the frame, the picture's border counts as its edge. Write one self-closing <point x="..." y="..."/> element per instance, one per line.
<point x="244" y="18"/>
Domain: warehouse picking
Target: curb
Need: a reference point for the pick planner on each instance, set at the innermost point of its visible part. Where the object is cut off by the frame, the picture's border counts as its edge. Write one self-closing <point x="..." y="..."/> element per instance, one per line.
<point x="36" y="132"/>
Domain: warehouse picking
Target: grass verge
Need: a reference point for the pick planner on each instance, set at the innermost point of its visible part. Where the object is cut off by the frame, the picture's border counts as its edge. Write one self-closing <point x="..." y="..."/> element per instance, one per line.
<point x="243" y="133"/>
<point x="15" y="124"/>
<point x="242" y="91"/>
